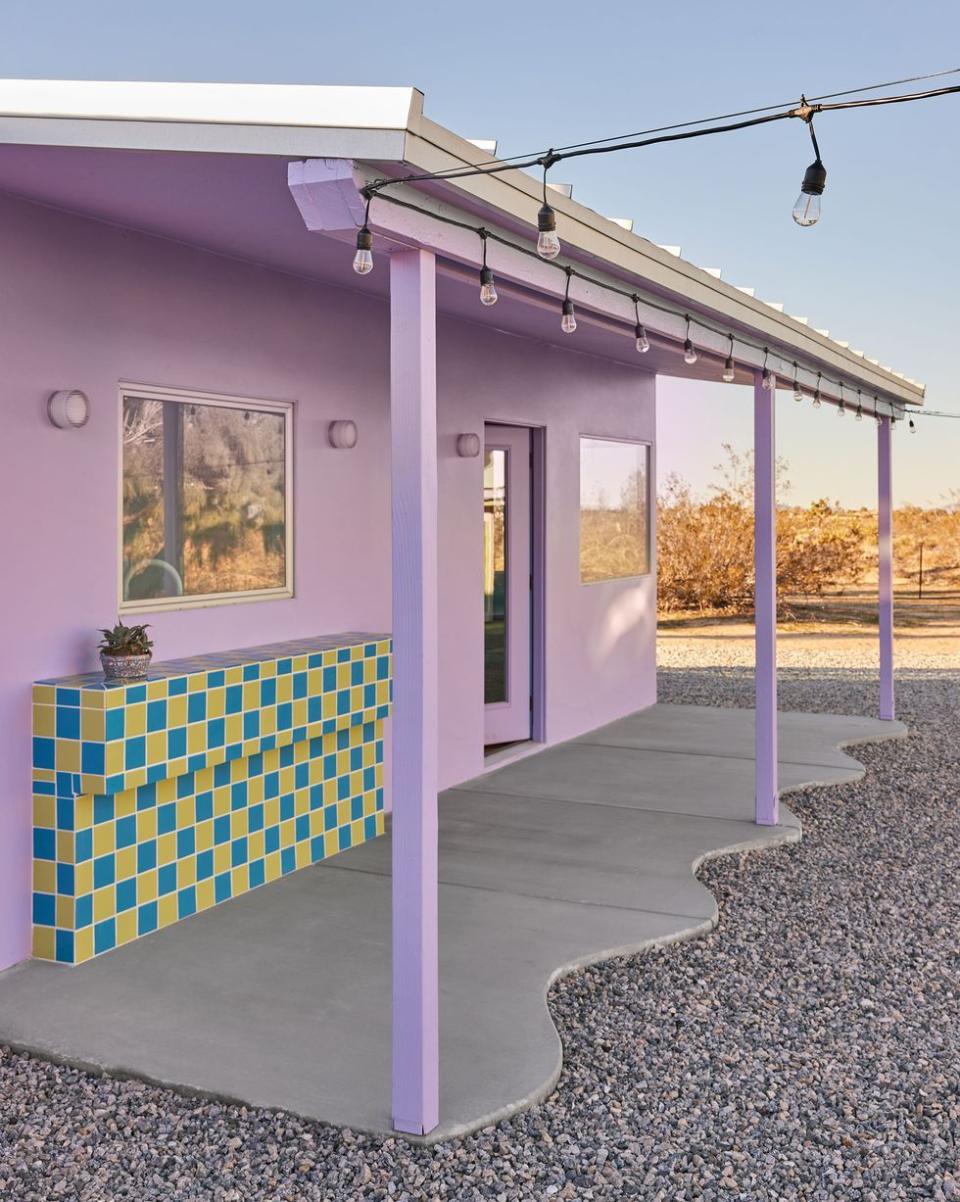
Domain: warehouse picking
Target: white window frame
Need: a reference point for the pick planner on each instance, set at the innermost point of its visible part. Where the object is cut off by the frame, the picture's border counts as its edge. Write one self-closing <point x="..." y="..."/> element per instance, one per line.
<point x="649" y="498"/>
<point x="183" y="396"/>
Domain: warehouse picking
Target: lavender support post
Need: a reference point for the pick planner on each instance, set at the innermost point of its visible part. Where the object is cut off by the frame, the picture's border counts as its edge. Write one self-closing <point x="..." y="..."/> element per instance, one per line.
<point x="765" y="601"/>
<point x="885" y="550"/>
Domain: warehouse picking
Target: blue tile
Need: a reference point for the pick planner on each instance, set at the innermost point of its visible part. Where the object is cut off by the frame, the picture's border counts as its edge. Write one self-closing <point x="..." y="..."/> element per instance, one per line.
<point x="215" y="679"/>
<point x="83" y="912"/>
<point x="302" y="827"/>
<point x="222" y="887"/>
<point x="356" y="672"/>
<point x="176" y="743"/>
<point x="271" y="784"/>
<point x="343" y="837"/>
<point x="44" y="843"/>
<point x="44" y="753"/>
<point x="177" y="686"/>
<point x="221" y="775"/>
<point x="329" y="818"/>
<point x="204" y="865"/>
<point x="301" y="776"/>
<point x="251" y="671"/>
<point x="284" y="667"/>
<point x="299" y="685"/>
<point x="147" y="918"/>
<point x="185" y="785"/>
<point x="356" y="808"/>
<point x="146" y="855"/>
<point x="216" y="732"/>
<point x="316" y="848"/>
<point x="330" y="680"/>
<point x="64" y="947"/>
<point x="271" y="839"/>
<point x="136" y="693"/>
<point x="126" y="831"/>
<point x="65" y="813"/>
<point x="288" y="860"/>
<point x="126" y="894"/>
<point x="105" y="936"/>
<point x="68" y="696"/>
<point x="44" y="909"/>
<point x="268" y="691"/>
<point x="115" y="724"/>
<point x="104" y="870"/>
<point x="167" y="879"/>
<point x="203" y="807"/>
<point x="65" y="880"/>
<point x="197" y="707"/>
<point x="284" y="715"/>
<point x="135" y="752"/>
<point x="156" y="715"/>
<point x="286" y="756"/>
<point x="234" y="698"/>
<point x="343" y="788"/>
<point x="238" y="795"/>
<point x="251" y="724"/>
<point x="187" y="902"/>
<point x="167" y="818"/>
<point x="68" y="722"/>
<point x="315" y="709"/>
<point x="221" y="829"/>
<point x="146" y="796"/>
<point x="287" y="806"/>
<point x="255" y="874"/>
<point x="103" y="810"/>
<point x="370" y="827"/>
<point x="196" y="762"/>
<point x="186" y="842"/>
<point x="238" y="851"/>
<point x="83" y="846"/>
<point x="255" y="818"/>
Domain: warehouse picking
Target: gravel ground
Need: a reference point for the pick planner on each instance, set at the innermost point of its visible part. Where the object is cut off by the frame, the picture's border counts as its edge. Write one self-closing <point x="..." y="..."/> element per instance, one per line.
<point x="808" y="1048"/>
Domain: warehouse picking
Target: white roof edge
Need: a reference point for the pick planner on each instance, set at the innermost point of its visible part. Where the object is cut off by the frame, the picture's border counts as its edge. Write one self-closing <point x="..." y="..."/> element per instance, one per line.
<point x="305" y="105"/>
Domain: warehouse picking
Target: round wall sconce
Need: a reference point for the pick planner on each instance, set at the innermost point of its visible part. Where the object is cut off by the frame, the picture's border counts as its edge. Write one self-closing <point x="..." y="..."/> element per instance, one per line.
<point x="68" y="409"/>
<point x="468" y="446"/>
<point x="342" y="435"/>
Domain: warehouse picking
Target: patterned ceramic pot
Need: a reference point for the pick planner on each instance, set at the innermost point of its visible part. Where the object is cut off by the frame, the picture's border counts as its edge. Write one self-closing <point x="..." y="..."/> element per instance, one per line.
<point x="125" y="667"/>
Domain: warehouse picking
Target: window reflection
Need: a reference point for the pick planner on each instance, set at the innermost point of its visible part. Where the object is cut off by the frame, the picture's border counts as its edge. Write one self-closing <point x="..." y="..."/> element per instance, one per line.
<point x="495" y="574"/>
<point x="614" y="509"/>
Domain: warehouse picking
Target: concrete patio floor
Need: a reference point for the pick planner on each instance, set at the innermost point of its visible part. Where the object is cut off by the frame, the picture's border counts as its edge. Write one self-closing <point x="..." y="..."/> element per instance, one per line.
<point x="584" y="851"/>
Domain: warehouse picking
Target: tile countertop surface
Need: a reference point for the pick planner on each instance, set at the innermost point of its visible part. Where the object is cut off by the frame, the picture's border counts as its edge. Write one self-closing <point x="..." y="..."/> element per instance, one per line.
<point x="240" y="657"/>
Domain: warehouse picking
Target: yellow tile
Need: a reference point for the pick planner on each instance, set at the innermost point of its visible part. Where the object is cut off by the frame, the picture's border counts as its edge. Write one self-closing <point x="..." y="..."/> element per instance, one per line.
<point x="135" y="719"/>
<point x="255" y="790"/>
<point x="330" y="844"/>
<point x="104" y="903"/>
<point x="216" y="703"/>
<point x="167" y="910"/>
<point x="255" y="845"/>
<point x="156" y="747"/>
<point x="215" y="755"/>
<point x="233" y="675"/>
<point x="301" y="753"/>
<point x="44" y="694"/>
<point x="125" y="803"/>
<point x="356" y="782"/>
<point x="147" y="824"/>
<point x="44" y="811"/>
<point x="113" y="759"/>
<point x="44" y="774"/>
<point x="268" y="668"/>
<point x="186" y="872"/>
<point x="356" y="832"/>
<point x="299" y="663"/>
<point x="233" y="727"/>
<point x="369" y="803"/>
<point x="314" y="682"/>
<point x="135" y="778"/>
<point x="83" y="945"/>
<point x="185" y="813"/>
<point x="301" y="801"/>
<point x="92" y="725"/>
<point x="166" y="790"/>
<point x="64" y="908"/>
<point x="156" y="690"/>
<point x="302" y="854"/>
<point x="221" y="858"/>
<point x="197" y="682"/>
<point x="221" y="800"/>
<point x="83" y="812"/>
<point x="126" y="863"/>
<point x="205" y="835"/>
<point x="271" y="867"/>
<point x="316" y="822"/>
<point x="330" y="792"/>
<point x="65" y="847"/>
<point x="114" y="698"/>
<point x="147" y="886"/>
<point x="249" y="748"/>
<point x="356" y="698"/>
<point x="343" y="676"/>
<point x="251" y="695"/>
<point x="203" y="780"/>
<point x="284" y="688"/>
<point x="83" y="878"/>
<point x="271" y="811"/>
<point x="300" y="712"/>
<point x="44" y="943"/>
<point x="238" y="878"/>
<point x="177" y="711"/>
<point x="288" y="779"/>
<point x="328" y="705"/>
<point x="45" y="876"/>
<point x="167" y="848"/>
<point x="205" y="895"/>
<point x="196" y="738"/>
<point x="238" y="823"/>
<point x="288" y="833"/>
<point x="104" y="838"/>
<point x="126" y="927"/>
<point x="45" y="721"/>
<point x="68" y="755"/>
<point x="238" y="770"/>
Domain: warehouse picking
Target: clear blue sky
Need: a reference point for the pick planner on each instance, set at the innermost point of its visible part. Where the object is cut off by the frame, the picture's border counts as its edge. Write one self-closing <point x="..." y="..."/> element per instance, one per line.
<point x="880" y="270"/>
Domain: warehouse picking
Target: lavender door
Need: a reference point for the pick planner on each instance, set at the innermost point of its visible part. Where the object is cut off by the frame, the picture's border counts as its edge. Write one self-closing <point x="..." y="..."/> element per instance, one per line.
<point x="506" y="584"/>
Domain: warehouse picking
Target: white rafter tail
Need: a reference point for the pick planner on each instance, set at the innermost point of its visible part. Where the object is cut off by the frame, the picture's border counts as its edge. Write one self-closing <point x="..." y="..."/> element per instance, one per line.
<point x="489" y="145"/>
<point x="671" y="250"/>
<point x="745" y="291"/>
<point x="564" y="189"/>
<point x="625" y="223"/>
<point x="716" y="272"/>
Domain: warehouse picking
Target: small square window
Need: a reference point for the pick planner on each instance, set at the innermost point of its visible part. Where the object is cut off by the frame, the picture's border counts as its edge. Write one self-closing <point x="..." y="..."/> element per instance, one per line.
<point x="206" y="500"/>
<point x="614" y="509"/>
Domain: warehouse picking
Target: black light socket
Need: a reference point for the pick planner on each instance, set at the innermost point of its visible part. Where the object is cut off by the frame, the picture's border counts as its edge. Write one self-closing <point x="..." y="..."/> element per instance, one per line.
<point x="814" y="179"/>
<point x="546" y="220"/>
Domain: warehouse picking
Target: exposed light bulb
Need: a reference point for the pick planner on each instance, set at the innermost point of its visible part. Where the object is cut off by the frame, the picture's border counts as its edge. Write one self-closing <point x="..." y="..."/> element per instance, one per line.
<point x="859" y="413"/>
<point x="766" y="380"/>
<point x="363" y="259"/>
<point x="816" y="399"/>
<point x="643" y="342"/>
<point x="806" y="211"/>
<point x="488" y="289"/>
<point x="841" y="410"/>
<point x="797" y="392"/>
<point x="913" y="428"/>
<point x="689" y="352"/>
<point x="729" y="371"/>
<point x="548" y="244"/>
<point x="568" y="322"/>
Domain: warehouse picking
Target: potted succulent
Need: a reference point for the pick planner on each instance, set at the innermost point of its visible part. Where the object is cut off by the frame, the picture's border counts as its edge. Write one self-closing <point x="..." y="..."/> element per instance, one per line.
<point x="125" y="652"/>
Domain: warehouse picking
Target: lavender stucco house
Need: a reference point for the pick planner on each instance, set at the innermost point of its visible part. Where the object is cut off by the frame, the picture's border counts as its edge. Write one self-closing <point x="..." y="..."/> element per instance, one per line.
<point x="426" y="519"/>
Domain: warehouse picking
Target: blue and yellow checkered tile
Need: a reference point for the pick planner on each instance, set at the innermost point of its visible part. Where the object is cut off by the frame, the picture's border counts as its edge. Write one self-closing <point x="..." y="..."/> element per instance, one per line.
<point x="216" y="775"/>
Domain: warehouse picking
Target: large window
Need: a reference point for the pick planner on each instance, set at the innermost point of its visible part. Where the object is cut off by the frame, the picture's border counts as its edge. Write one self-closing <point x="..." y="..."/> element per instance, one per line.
<point x="206" y="499"/>
<point x="614" y="509"/>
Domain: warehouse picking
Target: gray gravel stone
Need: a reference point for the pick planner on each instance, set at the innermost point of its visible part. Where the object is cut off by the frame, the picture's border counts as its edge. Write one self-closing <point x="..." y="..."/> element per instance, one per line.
<point x="808" y="1048"/>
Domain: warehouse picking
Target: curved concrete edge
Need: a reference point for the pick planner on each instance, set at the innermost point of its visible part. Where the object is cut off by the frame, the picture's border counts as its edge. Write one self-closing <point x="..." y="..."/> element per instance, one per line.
<point x="789" y="831"/>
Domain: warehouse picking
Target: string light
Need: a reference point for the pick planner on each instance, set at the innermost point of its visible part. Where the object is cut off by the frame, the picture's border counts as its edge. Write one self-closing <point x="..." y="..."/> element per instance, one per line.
<point x="876" y="410"/>
<point x="363" y="259"/>
<point x="859" y="413"/>
<point x="797" y="393"/>
<point x="841" y="408"/>
<point x="729" y="370"/>
<point x="488" y="289"/>
<point x="913" y="428"/>
<point x="806" y="209"/>
<point x="568" y="322"/>
<point x="690" y="355"/>
<point x="766" y="380"/>
<point x="639" y="332"/>
<point x="548" y="244"/>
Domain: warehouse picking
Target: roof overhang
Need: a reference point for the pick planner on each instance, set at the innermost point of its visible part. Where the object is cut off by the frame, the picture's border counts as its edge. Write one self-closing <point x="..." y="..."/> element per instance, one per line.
<point x="383" y="132"/>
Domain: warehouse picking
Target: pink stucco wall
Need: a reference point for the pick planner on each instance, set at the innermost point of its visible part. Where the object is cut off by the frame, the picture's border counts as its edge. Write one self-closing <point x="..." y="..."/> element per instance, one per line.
<point x="84" y="304"/>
